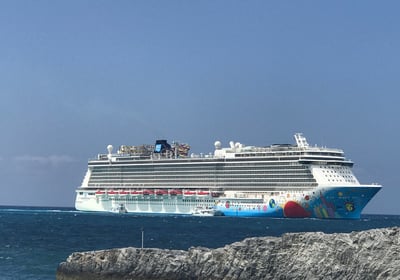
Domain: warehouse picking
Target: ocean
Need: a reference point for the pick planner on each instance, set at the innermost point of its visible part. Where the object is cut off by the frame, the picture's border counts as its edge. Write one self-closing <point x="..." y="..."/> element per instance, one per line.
<point x="35" y="240"/>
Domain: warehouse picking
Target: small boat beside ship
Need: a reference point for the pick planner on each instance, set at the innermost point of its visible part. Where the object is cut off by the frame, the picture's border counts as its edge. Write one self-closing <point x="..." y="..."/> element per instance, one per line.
<point x="120" y="209"/>
<point x="204" y="211"/>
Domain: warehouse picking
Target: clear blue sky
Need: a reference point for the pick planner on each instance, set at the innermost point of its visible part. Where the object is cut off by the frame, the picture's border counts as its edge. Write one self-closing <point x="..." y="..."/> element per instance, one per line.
<point x="76" y="76"/>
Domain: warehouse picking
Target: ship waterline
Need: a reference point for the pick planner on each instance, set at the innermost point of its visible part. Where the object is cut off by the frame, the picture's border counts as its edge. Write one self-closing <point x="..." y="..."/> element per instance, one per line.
<point x="273" y="181"/>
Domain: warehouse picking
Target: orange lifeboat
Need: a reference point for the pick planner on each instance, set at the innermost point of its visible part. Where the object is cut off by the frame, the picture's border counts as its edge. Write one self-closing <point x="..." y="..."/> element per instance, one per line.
<point x="175" y="192"/>
<point x="203" y="193"/>
<point x="136" y="192"/>
<point x="148" y="192"/>
<point x="161" y="192"/>
<point x="189" y="193"/>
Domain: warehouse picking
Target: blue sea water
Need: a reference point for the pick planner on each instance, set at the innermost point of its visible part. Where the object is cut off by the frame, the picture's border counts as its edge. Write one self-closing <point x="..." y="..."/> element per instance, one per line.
<point x="33" y="241"/>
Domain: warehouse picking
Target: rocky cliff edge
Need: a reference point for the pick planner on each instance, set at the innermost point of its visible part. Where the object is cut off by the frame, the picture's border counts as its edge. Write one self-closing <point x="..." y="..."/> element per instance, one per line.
<point x="372" y="254"/>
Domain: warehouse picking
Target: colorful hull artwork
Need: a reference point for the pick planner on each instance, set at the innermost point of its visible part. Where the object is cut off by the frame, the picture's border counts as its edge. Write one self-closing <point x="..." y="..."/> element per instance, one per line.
<point x="329" y="203"/>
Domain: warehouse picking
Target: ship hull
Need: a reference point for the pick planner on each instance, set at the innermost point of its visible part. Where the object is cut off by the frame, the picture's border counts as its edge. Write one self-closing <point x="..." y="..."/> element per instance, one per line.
<point x="323" y="202"/>
<point x="340" y="202"/>
<point x="143" y="204"/>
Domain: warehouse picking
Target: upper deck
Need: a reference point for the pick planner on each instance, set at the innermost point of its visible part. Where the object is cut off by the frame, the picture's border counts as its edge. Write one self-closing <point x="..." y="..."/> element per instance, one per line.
<point x="283" y="166"/>
<point x="162" y="151"/>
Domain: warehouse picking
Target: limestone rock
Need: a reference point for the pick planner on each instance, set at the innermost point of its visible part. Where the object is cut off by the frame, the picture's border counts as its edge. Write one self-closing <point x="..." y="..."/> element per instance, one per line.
<point x="372" y="254"/>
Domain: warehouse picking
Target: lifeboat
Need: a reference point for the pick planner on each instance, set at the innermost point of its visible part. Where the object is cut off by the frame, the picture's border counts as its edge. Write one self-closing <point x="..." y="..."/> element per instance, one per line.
<point x="189" y="193"/>
<point x="123" y="192"/>
<point x="203" y="193"/>
<point x="99" y="192"/>
<point x="112" y="192"/>
<point x="161" y="192"/>
<point x="136" y="192"/>
<point x="175" y="192"/>
<point x="148" y="192"/>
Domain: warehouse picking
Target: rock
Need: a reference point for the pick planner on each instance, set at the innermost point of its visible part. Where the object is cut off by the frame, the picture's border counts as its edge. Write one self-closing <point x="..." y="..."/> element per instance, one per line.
<point x="372" y="254"/>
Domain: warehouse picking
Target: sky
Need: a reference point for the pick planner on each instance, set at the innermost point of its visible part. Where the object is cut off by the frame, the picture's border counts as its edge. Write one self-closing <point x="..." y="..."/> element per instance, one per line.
<point x="76" y="76"/>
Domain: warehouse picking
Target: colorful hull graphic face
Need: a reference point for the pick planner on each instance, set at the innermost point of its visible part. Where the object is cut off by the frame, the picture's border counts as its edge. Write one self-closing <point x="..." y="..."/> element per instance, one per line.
<point x="329" y="203"/>
<point x="293" y="209"/>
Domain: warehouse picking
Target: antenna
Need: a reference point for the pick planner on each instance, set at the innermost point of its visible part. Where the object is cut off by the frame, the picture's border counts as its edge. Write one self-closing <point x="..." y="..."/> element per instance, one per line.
<point x="142" y="229"/>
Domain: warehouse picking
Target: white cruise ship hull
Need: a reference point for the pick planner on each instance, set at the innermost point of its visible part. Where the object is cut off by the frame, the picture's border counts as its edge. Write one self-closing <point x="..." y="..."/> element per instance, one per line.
<point x="339" y="202"/>
<point x="143" y="204"/>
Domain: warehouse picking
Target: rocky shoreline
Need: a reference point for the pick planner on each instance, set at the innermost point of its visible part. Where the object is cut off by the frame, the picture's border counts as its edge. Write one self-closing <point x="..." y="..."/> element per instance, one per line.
<point x="371" y="254"/>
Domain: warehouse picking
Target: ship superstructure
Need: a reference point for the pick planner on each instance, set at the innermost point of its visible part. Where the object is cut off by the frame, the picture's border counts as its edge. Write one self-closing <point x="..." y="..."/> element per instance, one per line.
<point x="282" y="180"/>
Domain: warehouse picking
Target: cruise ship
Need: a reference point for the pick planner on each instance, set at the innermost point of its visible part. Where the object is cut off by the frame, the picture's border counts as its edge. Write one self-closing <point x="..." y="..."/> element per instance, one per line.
<point x="280" y="180"/>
